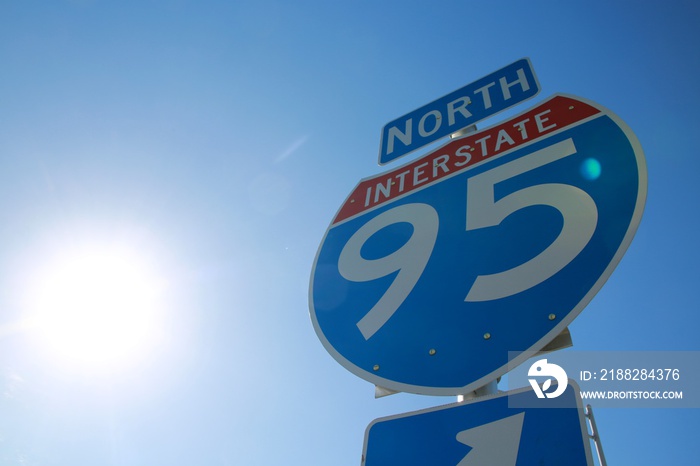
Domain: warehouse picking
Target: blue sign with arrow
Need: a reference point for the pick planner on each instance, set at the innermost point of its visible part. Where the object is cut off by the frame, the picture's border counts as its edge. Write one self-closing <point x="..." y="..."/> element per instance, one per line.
<point x="485" y="431"/>
<point x="431" y="273"/>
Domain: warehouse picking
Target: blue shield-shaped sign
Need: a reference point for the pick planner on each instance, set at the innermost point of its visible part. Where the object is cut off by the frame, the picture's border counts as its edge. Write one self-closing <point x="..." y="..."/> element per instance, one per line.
<point x="431" y="273"/>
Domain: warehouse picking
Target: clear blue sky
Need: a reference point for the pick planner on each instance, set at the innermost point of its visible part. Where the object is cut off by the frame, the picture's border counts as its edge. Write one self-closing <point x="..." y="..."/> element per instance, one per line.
<point x="219" y="138"/>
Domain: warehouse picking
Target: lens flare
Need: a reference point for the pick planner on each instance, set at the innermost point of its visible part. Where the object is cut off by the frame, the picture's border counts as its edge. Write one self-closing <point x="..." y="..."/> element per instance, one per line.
<point x="591" y="169"/>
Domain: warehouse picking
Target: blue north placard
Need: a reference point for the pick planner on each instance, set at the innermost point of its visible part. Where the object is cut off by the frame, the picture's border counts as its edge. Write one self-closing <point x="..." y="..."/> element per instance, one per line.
<point x="466" y="106"/>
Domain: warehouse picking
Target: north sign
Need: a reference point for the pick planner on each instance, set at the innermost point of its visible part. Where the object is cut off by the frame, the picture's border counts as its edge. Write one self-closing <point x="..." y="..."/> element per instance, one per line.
<point x="431" y="273"/>
<point x="459" y="109"/>
<point x="485" y="431"/>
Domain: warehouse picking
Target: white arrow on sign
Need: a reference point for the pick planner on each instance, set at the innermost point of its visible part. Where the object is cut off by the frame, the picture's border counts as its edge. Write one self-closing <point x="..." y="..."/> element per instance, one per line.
<point x="495" y="443"/>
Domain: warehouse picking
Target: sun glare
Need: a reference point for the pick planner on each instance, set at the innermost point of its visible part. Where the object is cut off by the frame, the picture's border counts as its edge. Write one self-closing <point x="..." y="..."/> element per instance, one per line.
<point x="97" y="308"/>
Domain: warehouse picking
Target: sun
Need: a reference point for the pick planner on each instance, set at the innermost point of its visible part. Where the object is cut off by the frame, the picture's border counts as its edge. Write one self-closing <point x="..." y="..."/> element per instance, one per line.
<point x="97" y="307"/>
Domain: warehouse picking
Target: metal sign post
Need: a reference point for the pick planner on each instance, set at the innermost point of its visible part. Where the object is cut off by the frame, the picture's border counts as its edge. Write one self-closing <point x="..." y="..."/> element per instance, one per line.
<point x="595" y="436"/>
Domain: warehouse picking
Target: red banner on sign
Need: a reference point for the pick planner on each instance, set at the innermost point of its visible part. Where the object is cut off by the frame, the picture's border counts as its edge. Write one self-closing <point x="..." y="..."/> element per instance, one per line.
<point x="460" y="154"/>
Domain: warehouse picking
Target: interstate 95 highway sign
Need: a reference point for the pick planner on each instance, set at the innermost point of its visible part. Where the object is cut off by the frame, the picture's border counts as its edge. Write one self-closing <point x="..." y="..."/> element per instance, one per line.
<point x="432" y="272"/>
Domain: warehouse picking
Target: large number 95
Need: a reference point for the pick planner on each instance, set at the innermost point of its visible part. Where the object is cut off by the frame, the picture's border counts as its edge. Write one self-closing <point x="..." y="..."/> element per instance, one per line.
<point x="580" y="217"/>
